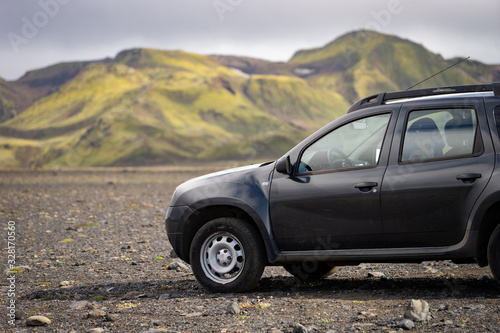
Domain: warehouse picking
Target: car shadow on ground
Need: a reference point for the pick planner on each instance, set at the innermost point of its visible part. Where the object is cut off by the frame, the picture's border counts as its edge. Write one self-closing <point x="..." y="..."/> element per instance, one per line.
<point x="421" y="287"/>
<point x="280" y="287"/>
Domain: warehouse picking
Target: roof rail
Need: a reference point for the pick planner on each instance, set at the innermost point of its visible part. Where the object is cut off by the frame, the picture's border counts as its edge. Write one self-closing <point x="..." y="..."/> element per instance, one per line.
<point x="380" y="98"/>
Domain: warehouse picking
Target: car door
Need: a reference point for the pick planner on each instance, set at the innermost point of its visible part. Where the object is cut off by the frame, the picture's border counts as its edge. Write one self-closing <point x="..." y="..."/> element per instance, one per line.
<point x="436" y="172"/>
<point x="331" y="200"/>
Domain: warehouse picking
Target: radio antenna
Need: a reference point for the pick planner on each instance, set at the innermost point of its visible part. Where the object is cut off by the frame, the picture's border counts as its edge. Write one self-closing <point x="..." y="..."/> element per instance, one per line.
<point x="430" y="77"/>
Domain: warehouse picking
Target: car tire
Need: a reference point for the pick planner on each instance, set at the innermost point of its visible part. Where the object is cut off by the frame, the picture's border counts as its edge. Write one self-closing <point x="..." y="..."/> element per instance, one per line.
<point x="308" y="271"/>
<point x="494" y="253"/>
<point x="227" y="255"/>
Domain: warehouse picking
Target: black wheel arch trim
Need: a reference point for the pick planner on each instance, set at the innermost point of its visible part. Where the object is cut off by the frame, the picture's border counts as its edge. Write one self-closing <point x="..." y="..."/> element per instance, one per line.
<point x="261" y="221"/>
<point x="484" y="224"/>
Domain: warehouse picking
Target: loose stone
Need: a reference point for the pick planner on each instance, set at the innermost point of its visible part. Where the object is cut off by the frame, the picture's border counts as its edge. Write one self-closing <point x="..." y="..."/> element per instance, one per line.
<point x="79" y="305"/>
<point x="233" y="308"/>
<point x="417" y="310"/>
<point x="406" y="324"/>
<point x="96" y="313"/>
<point x="37" y="321"/>
<point x="298" y="328"/>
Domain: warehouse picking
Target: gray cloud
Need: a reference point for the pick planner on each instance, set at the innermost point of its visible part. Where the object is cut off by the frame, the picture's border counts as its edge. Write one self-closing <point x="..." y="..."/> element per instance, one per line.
<point x="39" y="33"/>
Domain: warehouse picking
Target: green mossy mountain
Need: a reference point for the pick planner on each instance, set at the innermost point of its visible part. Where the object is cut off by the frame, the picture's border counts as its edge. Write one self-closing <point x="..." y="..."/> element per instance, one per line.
<point x="363" y="62"/>
<point x="149" y="107"/>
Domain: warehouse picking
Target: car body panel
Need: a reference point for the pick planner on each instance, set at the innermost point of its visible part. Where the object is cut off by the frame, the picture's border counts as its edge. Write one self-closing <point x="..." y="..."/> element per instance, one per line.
<point x="245" y="188"/>
<point x="418" y="211"/>
<point x="424" y="204"/>
<point x="326" y="209"/>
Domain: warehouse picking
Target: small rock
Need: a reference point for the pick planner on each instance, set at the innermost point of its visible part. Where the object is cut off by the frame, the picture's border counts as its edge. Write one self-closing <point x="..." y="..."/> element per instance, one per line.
<point x="13" y="270"/>
<point x="91" y="306"/>
<point x="431" y="270"/>
<point x="37" y="321"/>
<point x="154" y="322"/>
<point x="96" y="313"/>
<point x="111" y="317"/>
<point x="233" y="308"/>
<point x="79" y="305"/>
<point x="66" y="284"/>
<point x="474" y="307"/>
<point x="131" y="295"/>
<point x="361" y="326"/>
<point x="173" y="255"/>
<point x="298" y="328"/>
<point x="376" y="275"/>
<point x="367" y="314"/>
<point x="406" y="324"/>
<point x="179" y="266"/>
<point x="331" y="331"/>
<point x="164" y="297"/>
<point x="448" y="322"/>
<point x="18" y="315"/>
<point x="96" y="330"/>
<point x="444" y="307"/>
<point x="417" y="310"/>
<point x="484" y="278"/>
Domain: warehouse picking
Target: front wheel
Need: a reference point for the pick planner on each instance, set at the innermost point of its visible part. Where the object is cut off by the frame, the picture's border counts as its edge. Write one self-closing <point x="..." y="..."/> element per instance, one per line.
<point x="494" y="253"/>
<point x="227" y="256"/>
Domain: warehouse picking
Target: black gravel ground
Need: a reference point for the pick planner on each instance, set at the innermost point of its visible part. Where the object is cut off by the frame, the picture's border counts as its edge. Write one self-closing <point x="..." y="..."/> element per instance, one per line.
<point x="98" y="235"/>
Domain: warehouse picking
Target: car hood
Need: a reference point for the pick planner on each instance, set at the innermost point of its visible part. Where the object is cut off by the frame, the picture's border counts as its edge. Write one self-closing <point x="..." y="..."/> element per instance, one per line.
<point x="222" y="173"/>
<point x="223" y="184"/>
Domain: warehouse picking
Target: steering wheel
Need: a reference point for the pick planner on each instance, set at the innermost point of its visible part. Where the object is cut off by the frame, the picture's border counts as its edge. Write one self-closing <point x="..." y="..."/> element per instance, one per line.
<point x="332" y="152"/>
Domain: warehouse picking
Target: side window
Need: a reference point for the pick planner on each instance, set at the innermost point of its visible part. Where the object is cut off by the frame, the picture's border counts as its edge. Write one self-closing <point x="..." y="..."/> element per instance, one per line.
<point x="437" y="134"/>
<point x="355" y="144"/>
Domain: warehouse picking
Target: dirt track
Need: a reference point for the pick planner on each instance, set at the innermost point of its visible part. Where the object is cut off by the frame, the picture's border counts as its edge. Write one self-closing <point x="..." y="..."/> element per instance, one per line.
<point x="101" y="233"/>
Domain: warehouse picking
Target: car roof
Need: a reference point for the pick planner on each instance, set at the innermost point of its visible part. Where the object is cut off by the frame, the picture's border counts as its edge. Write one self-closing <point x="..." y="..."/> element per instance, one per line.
<point x="449" y="96"/>
<point x="428" y="93"/>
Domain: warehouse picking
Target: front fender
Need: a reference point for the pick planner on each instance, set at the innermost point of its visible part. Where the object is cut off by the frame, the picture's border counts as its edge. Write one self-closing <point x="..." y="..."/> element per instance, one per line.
<point x="246" y="190"/>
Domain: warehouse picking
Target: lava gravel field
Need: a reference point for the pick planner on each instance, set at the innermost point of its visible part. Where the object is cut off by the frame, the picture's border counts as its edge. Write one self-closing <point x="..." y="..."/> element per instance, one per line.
<point x="90" y="254"/>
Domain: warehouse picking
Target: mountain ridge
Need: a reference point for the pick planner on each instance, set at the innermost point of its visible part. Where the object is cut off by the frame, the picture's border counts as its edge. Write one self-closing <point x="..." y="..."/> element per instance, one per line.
<point x="148" y="106"/>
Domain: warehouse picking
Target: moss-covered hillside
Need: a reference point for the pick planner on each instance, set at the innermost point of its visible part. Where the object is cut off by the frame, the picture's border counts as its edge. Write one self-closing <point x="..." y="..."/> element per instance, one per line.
<point x="148" y="106"/>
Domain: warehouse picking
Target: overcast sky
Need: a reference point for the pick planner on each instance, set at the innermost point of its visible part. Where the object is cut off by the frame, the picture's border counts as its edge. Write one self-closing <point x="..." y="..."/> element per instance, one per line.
<point x="38" y="33"/>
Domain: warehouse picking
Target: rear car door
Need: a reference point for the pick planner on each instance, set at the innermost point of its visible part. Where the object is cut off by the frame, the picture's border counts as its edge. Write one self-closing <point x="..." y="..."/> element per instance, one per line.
<point x="331" y="201"/>
<point x="436" y="172"/>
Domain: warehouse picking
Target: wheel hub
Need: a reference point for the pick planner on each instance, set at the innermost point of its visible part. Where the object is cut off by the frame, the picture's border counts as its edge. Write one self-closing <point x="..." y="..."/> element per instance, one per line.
<point x="224" y="257"/>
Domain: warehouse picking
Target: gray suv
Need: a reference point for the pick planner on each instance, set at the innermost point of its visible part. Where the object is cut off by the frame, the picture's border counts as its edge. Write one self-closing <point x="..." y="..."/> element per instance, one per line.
<point x="403" y="177"/>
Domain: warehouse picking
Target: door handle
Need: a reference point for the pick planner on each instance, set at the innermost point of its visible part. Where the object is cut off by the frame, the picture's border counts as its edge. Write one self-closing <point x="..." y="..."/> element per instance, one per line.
<point x="469" y="178"/>
<point x="365" y="186"/>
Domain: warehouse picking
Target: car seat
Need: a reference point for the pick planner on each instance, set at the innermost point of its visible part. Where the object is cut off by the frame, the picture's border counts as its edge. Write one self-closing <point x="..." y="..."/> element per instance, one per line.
<point x="423" y="140"/>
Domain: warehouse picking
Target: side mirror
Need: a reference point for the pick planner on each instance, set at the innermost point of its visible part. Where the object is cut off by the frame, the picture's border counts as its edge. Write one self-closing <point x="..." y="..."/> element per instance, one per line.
<point x="284" y="166"/>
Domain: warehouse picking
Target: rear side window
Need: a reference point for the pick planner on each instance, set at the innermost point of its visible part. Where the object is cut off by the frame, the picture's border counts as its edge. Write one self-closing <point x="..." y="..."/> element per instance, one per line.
<point x="440" y="134"/>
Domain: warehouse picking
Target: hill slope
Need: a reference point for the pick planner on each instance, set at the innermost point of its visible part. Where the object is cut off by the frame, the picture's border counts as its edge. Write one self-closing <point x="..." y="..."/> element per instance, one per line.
<point x="148" y="106"/>
<point x="363" y="62"/>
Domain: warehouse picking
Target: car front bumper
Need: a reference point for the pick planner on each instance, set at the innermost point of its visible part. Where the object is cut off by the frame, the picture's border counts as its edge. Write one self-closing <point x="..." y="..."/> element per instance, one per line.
<point x="175" y="223"/>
